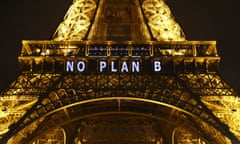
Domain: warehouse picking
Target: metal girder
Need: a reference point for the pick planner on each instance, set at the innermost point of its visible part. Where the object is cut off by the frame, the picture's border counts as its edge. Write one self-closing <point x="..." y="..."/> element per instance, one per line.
<point x="169" y="90"/>
<point x="21" y="95"/>
<point x="76" y="21"/>
<point x="46" y="95"/>
<point x="218" y="96"/>
<point x="161" y="21"/>
<point x="31" y="84"/>
<point x="207" y="84"/>
<point x="118" y="128"/>
<point x="130" y="107"/>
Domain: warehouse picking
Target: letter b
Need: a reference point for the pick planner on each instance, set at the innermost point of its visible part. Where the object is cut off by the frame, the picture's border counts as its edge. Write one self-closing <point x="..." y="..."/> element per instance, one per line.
<point x="157" y="66"/>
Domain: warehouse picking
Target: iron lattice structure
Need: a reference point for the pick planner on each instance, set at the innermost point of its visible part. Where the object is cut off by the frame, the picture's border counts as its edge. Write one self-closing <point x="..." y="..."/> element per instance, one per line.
<point x="63" y="96"/>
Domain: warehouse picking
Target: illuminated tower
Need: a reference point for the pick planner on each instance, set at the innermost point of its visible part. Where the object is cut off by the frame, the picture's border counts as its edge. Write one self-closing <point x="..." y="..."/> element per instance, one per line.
<point x="119" y="72"/>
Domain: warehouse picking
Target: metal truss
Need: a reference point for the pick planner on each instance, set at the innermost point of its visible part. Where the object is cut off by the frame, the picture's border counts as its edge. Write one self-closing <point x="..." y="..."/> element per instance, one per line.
<point x="171" y="117"/>
<point x="31" y="84"/>
<point x="100" y="108"/>
<point x="226" y="108"/>
<point x="55" y="136"/>
<point x="189" y="96"/>
<point x="119" y="20"/>
<point x="75" y="88"/>
<point x="183" y="135"/>
<point x="21" y="96"/>
<point x="207" y="84"/>
<point x="161" y="22"/>
<point x="192" y="77"/>
<point x="134" y="129"/>
<point x="218" y="96"/>
<point x="76" y="21"/>
<point x="201" y="50"/>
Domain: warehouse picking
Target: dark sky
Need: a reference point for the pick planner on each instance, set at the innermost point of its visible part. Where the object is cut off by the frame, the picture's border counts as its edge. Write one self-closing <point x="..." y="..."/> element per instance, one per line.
<point x="200" y="19"/>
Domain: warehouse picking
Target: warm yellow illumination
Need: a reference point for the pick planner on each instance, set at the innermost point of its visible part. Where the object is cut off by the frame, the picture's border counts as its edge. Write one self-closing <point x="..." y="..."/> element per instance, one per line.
<point x="76" y="21"/>
<point x="227" y="110"/>
<point x="161" y="21"/>
<point x="113" y="38"/>
<point x="11" y="115"/>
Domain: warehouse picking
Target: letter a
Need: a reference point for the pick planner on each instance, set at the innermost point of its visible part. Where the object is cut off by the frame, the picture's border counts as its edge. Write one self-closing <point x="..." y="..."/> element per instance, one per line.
<point x="124" y="67"/>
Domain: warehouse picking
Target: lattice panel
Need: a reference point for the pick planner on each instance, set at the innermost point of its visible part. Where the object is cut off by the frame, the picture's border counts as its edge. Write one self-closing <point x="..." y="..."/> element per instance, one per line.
<point x="139" y="81"/>
<point x="21" y="96"/>
<point x="119" y="20"/>
<point x="131" y="128"/>
<point x="31" y="84"/>
<point x="103" y="81"/>
<point x="53" y="136"/>
<point x="218" y="97"/>
<point x="209" y="84"/>
<point x="19" y="137"/>
<point x="175" y="117"/>
<point x="184" y="136"/>
<point x="161" y="22"/>
<point x="188" y="91"/>
<point x="79" y="81"/>
<point x="77" y="21"/>
<point x="227" y="109"/>
<point x="162" y="88"/>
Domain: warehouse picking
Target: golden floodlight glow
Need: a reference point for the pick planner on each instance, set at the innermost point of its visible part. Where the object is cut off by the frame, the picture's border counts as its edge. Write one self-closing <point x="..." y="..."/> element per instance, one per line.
<point x="161" y="22"/>
<point x="227" y="110"/>
<point x="76" y="21"/>
<point x="119" y="71"/>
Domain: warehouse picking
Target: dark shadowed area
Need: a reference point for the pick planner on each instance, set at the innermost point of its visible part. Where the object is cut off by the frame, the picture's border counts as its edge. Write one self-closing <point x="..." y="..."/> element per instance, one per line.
<point x="201" y="20"/>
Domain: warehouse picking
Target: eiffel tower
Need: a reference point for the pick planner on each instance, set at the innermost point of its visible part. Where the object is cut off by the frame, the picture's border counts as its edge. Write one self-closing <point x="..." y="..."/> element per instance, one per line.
<point x="119" y="71"/>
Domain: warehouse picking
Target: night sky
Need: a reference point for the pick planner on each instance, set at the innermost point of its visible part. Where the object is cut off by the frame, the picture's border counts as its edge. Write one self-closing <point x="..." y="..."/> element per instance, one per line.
<point x="200" y="19"/>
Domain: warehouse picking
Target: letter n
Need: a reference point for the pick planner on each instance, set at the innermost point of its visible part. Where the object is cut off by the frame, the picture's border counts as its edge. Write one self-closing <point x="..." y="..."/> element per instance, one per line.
<point x="70" y="66"/>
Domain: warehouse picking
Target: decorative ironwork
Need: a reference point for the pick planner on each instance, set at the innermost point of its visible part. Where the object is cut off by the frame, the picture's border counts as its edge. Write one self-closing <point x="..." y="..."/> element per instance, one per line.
<point x="56" y="136"/>
<point x="119" y="20"/>
<point x="21" y="96"/>
<point x="176" y="57"/>
<point x="201" y="49"/>
<point x="54" y="93"/>
<point x="160" y="20"/>
<point x="183" y="136"/>
<point x="75" y="88"/>
<point x="76" y="21"/>
<point x="120" y="129"/>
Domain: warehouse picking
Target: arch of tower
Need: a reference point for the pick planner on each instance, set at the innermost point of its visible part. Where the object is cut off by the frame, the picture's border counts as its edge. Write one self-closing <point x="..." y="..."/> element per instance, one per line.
<point x="119" y="71"/>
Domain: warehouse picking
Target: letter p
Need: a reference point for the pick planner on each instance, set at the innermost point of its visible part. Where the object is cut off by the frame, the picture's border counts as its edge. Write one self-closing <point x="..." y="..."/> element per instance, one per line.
<point x="102" y="65"/>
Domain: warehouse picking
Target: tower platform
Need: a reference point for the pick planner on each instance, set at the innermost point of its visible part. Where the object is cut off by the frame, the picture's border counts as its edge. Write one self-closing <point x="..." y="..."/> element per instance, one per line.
<point x="119" y="72"/>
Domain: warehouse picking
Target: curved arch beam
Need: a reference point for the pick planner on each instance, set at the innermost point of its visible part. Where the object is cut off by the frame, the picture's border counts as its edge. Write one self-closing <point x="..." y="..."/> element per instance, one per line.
<point x="152" y="108"/>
